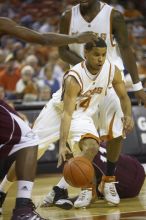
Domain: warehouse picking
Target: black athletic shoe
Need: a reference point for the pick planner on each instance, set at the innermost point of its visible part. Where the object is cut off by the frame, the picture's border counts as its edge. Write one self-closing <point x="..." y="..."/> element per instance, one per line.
<point x="2" y="199"/>
<point x="58" y="197"/>
<point x="26" y="213"/>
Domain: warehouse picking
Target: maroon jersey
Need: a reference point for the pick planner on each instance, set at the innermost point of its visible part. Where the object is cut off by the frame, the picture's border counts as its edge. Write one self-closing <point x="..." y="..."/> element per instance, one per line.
<point x="129" y="173"/>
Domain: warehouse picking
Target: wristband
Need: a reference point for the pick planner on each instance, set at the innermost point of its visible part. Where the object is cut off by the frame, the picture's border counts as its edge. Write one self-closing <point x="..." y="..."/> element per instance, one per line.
<point x="137" y="86"/>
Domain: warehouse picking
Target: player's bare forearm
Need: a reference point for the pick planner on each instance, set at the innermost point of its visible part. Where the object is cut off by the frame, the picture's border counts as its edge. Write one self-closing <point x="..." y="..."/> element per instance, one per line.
<point x="126" y="106"/>
<point x="31" y="36"/>
<point x="64" y="128"/>
<point x="52" y="39"/>
<point x="120" y="33"/>
<point x="130" y="63"/>
<point x="69" y="56"/>
<point x="120" y="89"/>
<point x="9" y="27"/>
<point x="71" y="91"/>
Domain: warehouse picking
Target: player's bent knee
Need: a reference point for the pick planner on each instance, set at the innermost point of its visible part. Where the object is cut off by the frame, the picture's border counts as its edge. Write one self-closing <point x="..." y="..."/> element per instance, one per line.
<point x="89" y="148"/>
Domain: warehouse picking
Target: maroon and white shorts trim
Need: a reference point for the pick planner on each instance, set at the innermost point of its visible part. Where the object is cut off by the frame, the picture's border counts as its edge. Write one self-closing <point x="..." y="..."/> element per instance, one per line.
<point x="15" y="134"/>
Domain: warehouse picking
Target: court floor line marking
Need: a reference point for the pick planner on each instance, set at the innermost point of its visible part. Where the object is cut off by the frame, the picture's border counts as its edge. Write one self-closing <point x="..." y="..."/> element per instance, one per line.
<point x="93" y="215"/>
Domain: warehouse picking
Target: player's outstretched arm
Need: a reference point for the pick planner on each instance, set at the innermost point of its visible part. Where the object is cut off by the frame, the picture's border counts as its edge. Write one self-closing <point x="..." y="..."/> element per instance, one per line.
<point x="8" y="26"/>
<point x="71" y="91"/>
<point x="120" y="89"/>
<point x="121" y="35"/>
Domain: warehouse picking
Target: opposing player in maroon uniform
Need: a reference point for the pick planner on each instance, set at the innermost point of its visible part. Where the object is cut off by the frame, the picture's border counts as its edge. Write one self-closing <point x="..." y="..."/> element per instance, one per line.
<point x="129" y="172"/>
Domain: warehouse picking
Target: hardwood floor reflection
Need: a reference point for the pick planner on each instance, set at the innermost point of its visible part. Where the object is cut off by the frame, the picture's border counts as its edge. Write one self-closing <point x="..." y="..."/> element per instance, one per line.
<point x="129" y="209"/>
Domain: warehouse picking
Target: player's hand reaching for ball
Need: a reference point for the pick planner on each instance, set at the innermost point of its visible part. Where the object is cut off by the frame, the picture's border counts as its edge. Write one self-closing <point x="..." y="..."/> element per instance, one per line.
<point x="64" y="153"/>
<point x="128" y="124"/>
<point x="86" y="37"/>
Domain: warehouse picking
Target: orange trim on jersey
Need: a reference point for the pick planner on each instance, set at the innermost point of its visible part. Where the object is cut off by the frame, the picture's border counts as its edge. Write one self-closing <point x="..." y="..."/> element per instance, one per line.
<point x="64" y="78"/>
<point x="110" y="132"/>
<point x="109" y="74"/>
<point x="84" y="66"/>
<point x="88" y="135"/>
<point x="81" y="83"/>
<point x="105" y="138"/>
<point x="108" y="79"/>
<point x="111" y="40"/>
<point x="85" y="103"/>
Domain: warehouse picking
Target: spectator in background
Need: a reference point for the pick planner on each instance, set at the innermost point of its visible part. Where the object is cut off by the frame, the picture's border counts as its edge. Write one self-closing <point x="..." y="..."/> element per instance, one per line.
<point x="44" y="94"/>
<point x="32" y="61"/>
<point x="59" y="65"/>
<point x="131" y="13"/>
<point x="9" y="77"/>
<point x="2" y="59"/>
<point x="49" y="79"/>
<point x="2" y="93"/>
<point x="26" y="88"/>
<point x="46" y="27"/>
<point x="142" y="66"/>
<point x="117" y="6"/>
<point x="42" y="54"/>
<point x="138" y="29"/>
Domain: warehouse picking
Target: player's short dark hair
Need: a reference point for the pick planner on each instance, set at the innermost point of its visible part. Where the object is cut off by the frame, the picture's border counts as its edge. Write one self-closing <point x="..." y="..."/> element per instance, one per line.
<point x="96" y="43"/>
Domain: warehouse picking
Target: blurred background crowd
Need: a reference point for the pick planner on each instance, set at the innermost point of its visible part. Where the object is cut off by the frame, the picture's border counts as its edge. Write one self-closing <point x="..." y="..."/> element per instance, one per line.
<point x="33" y="72"/>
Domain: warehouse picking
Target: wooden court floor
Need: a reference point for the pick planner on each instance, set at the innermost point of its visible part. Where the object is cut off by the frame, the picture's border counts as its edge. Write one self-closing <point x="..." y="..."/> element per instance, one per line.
<point x="129" y="209"/>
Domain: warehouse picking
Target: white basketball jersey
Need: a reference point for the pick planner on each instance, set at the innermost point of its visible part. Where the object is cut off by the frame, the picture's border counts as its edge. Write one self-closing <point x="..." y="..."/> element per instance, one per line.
<point x="101" y="25"/>
<point x="93" y="87"/>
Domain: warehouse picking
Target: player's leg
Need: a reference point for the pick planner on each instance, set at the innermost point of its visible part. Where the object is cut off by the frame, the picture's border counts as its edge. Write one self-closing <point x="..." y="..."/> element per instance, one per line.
<point x="61" y="195"/>
<point x="11" y="176"/>
<point x="58" y="192"/>
<point x="109" y="180"/>
<point x="6" y="184"/>
<point x="46" y="127"/>
<point x="89" y="148"/>
<point x="111" y="129"/>
<point x="44" y="121"/>
<point x="14" y="138"/>
<point x="26" y="160"/>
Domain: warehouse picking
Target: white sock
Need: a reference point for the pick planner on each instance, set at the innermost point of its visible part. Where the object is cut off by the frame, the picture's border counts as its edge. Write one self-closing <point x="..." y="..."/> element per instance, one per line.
<point x="24" y="189"/>
<point x="5" y="185"/>
<point x="63" y="184"/>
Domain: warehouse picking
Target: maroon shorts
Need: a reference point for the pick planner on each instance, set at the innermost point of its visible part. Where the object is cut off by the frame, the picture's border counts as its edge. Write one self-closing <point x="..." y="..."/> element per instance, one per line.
<point x="15" y="134"/>
<point x="129" y="173"/>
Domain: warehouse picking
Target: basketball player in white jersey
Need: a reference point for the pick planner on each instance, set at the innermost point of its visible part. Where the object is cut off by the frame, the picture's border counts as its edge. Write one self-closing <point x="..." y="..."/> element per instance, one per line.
<point x="69" y="114"/>
<point x="109" y="24"/>
<point x="73" y="107"/>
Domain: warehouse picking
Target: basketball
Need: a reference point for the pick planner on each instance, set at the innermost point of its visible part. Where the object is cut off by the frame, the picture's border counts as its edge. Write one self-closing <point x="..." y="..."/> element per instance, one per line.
<point x="79" y="172"/>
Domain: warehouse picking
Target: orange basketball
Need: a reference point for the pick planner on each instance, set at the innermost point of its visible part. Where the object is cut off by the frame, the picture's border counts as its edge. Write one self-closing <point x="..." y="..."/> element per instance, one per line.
<point x="79" y="172"/>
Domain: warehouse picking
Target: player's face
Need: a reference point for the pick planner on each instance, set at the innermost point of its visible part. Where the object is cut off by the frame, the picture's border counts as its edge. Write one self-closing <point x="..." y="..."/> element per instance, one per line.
<point x="86" y="3"/>
<point x="96" y="57"/>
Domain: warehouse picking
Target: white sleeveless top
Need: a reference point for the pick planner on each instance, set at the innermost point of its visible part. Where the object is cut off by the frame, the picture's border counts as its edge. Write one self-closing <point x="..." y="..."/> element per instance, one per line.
<point x="101" y="24"/>
<point x="93" y="88"/>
